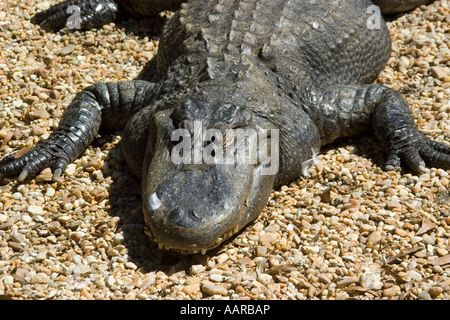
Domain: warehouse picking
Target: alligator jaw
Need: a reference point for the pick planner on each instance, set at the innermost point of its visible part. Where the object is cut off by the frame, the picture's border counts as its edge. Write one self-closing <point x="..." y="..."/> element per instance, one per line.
<point x="194" y="250"/>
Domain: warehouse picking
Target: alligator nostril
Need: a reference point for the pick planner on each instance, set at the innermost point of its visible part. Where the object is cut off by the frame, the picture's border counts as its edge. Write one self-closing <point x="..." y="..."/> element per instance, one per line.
<point x="193" y="214"/>
<point x="175" y="213"/>
<point x="187" y="218"/>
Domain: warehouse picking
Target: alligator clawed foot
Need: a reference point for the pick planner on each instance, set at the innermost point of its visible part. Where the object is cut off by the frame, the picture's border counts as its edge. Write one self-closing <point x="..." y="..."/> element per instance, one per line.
<point x="77" y="14"/>
<point x="419" y="153"/>
<point x="29" y="165"/>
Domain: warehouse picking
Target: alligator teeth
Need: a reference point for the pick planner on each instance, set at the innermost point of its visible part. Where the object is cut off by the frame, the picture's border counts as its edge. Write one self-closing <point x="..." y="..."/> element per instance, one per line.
<point x="148" y="233"/>
<point x="219" y="240"/>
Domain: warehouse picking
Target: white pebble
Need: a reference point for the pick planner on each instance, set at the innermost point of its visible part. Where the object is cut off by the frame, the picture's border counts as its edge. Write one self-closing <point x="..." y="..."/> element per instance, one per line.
<point x="17" y="196"/>
<point x="117" y="239"/>
<point x="371" y="280"/>
<point x="26" y="218"/>
<point x="312" y="249"/>
<point x="196" y="268"/>
<point x="265" y="279"/>
<point x="35" y="210"/>
<point x="41" y="256"/>
<point x="110" y="281"/>
<point x="216" y="277"/>
<point x="130" y="265"/>
<point x="8" y="280"/>
<point x="3" y="218"/>
<point x="414" y="275"/>
<point x="71" y="169"/>
<point x="68" y="206"/>
<point x="50" y="192"/>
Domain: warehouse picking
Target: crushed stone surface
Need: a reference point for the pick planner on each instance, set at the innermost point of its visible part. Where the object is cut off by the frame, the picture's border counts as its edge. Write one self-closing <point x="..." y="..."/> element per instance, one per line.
<point x="347" y="231"/>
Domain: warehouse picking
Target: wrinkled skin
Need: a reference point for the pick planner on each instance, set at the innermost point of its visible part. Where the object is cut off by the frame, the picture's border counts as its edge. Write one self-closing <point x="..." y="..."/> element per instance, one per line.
<point x="300" y="70"/>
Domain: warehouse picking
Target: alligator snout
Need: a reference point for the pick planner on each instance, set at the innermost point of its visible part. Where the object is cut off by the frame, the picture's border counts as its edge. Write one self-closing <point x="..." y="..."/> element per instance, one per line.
<point x="195" y="210"/>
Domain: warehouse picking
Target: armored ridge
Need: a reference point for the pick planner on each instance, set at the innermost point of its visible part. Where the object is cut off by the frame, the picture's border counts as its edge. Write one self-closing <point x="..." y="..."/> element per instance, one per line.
<point x="299" y="67"/>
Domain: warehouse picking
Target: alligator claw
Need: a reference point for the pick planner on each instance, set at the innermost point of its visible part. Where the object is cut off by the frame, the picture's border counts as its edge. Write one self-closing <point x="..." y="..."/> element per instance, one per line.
<point x="47" y="154"/>
<point x="77" y="14"/>
<point x="418" y="152"/>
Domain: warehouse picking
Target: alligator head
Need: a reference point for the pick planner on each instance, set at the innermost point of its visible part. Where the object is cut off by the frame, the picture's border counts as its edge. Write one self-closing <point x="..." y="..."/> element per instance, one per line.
<point x="208" y="172"/>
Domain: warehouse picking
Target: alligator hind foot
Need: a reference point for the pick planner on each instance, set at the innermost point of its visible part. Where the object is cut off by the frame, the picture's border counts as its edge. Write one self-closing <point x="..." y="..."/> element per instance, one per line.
<point x="394" y="125"/>
<point x="77" y="14"/>
<point x="417" y="151"/>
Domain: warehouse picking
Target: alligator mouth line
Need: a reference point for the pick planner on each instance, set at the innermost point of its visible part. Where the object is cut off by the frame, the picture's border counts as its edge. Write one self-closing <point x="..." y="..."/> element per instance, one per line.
<point x="219" y="240"/>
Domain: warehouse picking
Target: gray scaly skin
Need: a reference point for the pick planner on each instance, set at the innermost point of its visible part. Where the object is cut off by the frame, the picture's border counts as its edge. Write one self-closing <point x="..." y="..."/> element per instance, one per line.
<point x="302" y="67"/>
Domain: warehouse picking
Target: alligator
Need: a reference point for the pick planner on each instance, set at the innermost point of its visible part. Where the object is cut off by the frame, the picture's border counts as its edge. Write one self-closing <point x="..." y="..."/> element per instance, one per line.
<point x="300" y="71"/>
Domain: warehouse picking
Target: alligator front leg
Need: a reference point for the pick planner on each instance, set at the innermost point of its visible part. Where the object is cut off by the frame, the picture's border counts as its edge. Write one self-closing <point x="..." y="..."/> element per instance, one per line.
<point x="344" y="111"/>
<point x="77" y="14"/>
<point x="100" y="106"/>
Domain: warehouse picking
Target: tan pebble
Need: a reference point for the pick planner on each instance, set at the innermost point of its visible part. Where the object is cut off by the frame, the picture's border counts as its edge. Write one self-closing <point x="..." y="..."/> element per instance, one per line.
<point x="391" y="291"/>
<point x="346" y="281"/>
<point x="17" y="237"/>
<point x="441" y="251"/>
<point x="67" y="50"/>
<point x="63" y="218"/>
<point x="240" y="289"/>
<point x="365" y="227"/>
<point x="268" y="238"/>
<point x="261" y="251"/>
<point x="324" y="279"/>
<point x="192" y="289"/>
<point x="247" y="262"/>
<point x="221" y="258"/>
<point x="45" y="175"/>
<point x="54" y="226"/>
<point x="439" y="72"/>
<point x="214" y="289"/>
<point x="85" y="293"/>
<point x="90" y="41"/>
<point x="400" y="232"/>
<point x="54" y="94"/>
<point x="408" y="226"/>
<point x="447" y="220"/>
<point x="76" y="236"/>
<point x="36" y="130"/>
<point x="342" y="296"/>
<point x="417" y="188"/>
<point x="435" y="291"/>
<point x="14" y="245"/>
<point x="444" y="182"/>
<point x="416" y="239"/>
<point x="374" y="237"/>
<point x="393" y="204"/>
<point x="258" y="226"/>
<point x="40" y="113"/>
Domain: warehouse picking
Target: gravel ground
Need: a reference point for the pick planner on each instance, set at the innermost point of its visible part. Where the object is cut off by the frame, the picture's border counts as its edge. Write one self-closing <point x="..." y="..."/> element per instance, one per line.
<point x="348" y="231"/>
